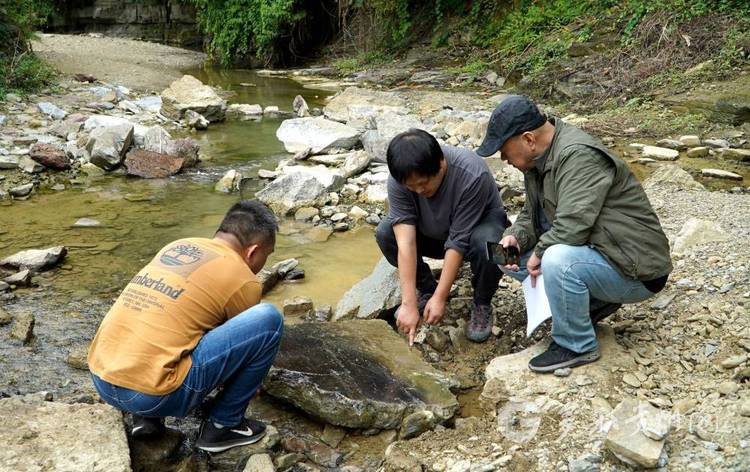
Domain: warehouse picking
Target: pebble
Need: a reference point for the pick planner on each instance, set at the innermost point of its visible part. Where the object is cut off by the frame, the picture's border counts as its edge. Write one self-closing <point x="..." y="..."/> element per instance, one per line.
<point x="631" y="380"/>
<point x="564" y="372"/>
<point x="728" y="387"/>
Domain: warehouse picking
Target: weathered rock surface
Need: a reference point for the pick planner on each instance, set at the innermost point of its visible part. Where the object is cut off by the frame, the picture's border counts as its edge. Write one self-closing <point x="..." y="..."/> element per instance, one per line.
<point x="720" y="174"/>
<point x="50" y="156"/>
<point x="53" y="111"/>
<point x="107" y="145"/>
<point x="300" y="186"/>
<point x="695" y="232"/>
<point x="373" y="297"/>
<point x="23" y="328"/>
<point x="626" y="439"/>
<point x="338" y="108"/>
<point x="39" y="435"/>
<point x="152" y="165"/>
<point x="671" y="175"/>
<point x="244" y="111"/>
<point x="357" y="374"/>
<point x="659" y="153"/>
<point x="318" y="134"/>
<point x="229" y="182"/>
<point x="388" y="125"/>
<point x="299" y="107"/>
<point x="189" y="93"/>
<point x="35" y="259"/>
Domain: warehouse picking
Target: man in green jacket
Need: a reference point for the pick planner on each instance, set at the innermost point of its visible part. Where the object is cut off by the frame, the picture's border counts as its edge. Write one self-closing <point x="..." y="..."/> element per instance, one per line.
<point x="587" y="225"/>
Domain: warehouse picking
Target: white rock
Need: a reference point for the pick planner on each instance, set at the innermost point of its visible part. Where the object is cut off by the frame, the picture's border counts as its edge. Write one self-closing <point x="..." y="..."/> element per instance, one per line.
<point x="376" y="193"/>
<point x="52" y="111"/>
<point x="189" y="93"/>
<point x="660" y="153"/>
<point x="317" y="133"/>
<point x="720" y="174"/>
<point x="653" y="422"/>
<point x="695" y="232"/>
<point x="690" y="140"/>
<point x="99" y="121"/>
<point x="245" y="111"/>
<point x="626" y="439"/>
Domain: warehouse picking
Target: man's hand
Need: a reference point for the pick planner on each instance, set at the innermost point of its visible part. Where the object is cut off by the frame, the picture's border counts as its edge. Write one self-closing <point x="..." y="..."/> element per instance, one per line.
<point x="508" y="241"/>
<point x="407" y="321"/>
<point x="434" y="310"/>
<point x="534" y="266"/>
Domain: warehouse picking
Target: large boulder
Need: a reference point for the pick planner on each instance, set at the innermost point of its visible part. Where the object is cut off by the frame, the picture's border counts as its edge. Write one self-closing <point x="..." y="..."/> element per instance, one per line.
<point x="189" y="93"/>
<point x="35" y="259"/>
<point x="339" y="107"/>
<point x="50" y="156"/>
<point x="355" y="163"/>
<point x="672" y="176"/>
<point x="152" y="165"/>
<point x="107" y="145"/>
<point x="317" y="134"/>
<point x="300" y="186"/>
<point x="358" y="374"/>
<point x="40" y="435"/>
<point x="104" y="121"/>
<point x="156" y="139"/>
<point x="375" y="296"/>
<point x="388" y="126"/>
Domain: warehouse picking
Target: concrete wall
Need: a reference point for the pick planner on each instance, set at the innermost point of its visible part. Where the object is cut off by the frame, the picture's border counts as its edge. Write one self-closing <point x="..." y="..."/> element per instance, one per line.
<point x="164" y="21"/>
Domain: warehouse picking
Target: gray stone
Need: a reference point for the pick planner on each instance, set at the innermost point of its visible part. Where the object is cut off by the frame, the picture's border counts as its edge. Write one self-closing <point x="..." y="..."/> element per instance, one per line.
<point x="670" y="175"/>
<point x="259" y="463"/>
<point x="271" y="110"/>
<point x="104" y="121"/>
<point x="585" y="463"/>
<point x="8" y="162"/>
<point x="5" y="317"/>
<point x="626" y="440"/>
<point x="52" y="111"/>
<point x="22" y="278"/>
<point x="129" y="107"/>
<point x="195" y="120"/>
<point x="267" y="174"/>
<point x="107" y="145"/>
<point x="300" y="186"/>
<point x="373" y="297"/>
<point x="298" y="307"/>
<point x="564" y="372"/>
<point x="416" y="423"/>
<point x="388" y="125"/>
<point x="36" y="259"/>
<point x="332" y="435"/>
<point x="151" y="103"/>
<point x="37" y="432"/>
<point x="77" y="357"/>
<point x="318" y="134"/>
<point x="306" y="213"/>
<point x="3" y="119"/>
<point x="720" y="174"/>
<point x="284" y="267"/>
<point x="355" y="163"/>
<point x="653" y="422"/>
<point x="21" y="190"/>
<point x="376" y="193"/>
<point x="742" y="155"/>
<point x="229" y="182"/>
<point x="696" y="232"/>
<point x="659" y="153"/>
<point x="23" y="328"/>
<point x="663" y="301"/>
<point x="734" y="361"/>
<point x="690" y="140"/>
<point x="315" y="451"/>
<point x="244" y="111"/>
<point x="697" y="152"/>
<point x="728" y="387"/>
<point x="300" y="108"/>
<point x="340" y="227"/>
<point x="189" y="93"/>
<point x="234" y="459"/>
<point x="30" y="166"/>
<point x="338" y="108"/>
<point x="66" y="128"/>
<point x="671" y="144"/>
<point x="357" y="374"/>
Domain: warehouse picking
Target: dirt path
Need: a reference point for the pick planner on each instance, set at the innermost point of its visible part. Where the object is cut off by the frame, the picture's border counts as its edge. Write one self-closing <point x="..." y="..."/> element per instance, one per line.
<point x="134" y="64"/>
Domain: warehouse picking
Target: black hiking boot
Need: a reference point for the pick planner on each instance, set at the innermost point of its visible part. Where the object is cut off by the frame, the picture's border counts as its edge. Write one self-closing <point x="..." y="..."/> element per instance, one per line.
<point x="213" y="439"/>
<point x="144" y="427"/>
<point x="598" y="314"/>
<point x="479" y="327"/>
<point x="557" y="357"/>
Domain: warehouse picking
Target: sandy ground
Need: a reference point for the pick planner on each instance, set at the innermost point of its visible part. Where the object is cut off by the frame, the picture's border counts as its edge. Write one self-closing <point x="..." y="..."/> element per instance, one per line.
<point x="134" y="64"/>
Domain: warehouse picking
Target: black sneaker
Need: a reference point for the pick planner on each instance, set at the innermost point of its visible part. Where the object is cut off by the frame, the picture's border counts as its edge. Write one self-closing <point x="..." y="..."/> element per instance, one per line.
<point x="479" y="327"/>
<point x="603" y="311"/>
<point x="213" y="439"/>
<point x="557" y="357"/>
<point x="144" y="427"/>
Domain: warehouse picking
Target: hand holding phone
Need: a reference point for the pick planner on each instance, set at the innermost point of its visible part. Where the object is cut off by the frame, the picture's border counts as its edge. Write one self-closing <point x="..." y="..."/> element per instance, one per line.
<point x="503" y="256"/>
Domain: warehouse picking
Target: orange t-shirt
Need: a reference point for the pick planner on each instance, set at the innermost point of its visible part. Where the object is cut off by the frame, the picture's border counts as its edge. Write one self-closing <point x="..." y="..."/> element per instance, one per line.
<point x="190" y="287"/>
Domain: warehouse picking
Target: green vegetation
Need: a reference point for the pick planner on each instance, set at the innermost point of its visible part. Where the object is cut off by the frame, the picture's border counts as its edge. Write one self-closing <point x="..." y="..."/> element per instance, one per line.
<point x="20" y="70"/>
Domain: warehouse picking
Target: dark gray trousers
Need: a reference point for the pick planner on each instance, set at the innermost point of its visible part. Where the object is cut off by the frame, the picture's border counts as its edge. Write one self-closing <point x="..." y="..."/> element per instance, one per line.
<point x="485" y="274"/>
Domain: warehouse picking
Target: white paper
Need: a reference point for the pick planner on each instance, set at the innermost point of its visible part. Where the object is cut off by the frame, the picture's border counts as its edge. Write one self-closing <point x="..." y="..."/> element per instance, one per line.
<point x="537" y="305"/>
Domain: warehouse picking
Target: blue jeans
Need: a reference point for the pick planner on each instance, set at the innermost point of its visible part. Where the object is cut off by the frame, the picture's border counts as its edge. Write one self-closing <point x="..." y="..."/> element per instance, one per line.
<point x="237" y="354"/>
<point x="576" y="279"/>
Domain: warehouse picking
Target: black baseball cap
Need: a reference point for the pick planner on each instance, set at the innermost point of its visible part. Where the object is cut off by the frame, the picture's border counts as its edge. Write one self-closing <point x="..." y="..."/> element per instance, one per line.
<point x="515" y="115"/>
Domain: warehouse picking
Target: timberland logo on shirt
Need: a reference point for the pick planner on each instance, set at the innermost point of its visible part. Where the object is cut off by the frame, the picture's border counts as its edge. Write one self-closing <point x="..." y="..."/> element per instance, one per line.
<point x="181" y="254"/>
<point x="157" y="285"/>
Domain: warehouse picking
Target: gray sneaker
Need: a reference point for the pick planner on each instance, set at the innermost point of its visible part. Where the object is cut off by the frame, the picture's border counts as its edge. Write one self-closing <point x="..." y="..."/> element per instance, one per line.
<point x="479" y="327"/>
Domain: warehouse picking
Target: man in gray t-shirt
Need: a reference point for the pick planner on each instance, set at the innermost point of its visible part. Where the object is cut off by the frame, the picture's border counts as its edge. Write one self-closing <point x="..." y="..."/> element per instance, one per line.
<point x="444" y="204"/>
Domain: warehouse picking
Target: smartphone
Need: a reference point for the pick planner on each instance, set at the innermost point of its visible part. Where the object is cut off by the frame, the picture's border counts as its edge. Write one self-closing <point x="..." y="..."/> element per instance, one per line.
<point x="502" y="255"/>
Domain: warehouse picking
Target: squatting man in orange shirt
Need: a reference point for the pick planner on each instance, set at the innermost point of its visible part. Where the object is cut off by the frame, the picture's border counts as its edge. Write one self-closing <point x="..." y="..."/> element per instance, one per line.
<point x="189" y="321"/>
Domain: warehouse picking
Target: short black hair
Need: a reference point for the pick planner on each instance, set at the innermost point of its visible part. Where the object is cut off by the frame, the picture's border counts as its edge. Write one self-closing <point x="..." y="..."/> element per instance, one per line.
<point x="413" y="152"/>
<point x="251" y="222"/>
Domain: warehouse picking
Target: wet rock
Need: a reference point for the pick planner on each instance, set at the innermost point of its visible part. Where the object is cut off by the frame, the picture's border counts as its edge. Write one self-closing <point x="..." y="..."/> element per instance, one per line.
<point x="259" y="463"/>
<point x="315" y="451"/>
<point x="156" y="453"/>
<point x="317" y="133"/>
<point x="152" y="165"/>
<point x="36" y="259"/>
<point x="229" y="182"/>
<point x="244" y="111"/>
<point x="340" y="227"/>
<point x="332" y="435"/>
<point x="195" y="120"/>
<point x="49" y="156"/>
<point x="268" y="279"/>
<point x="416" y="423"/>
<point x="22" y="278"/>
<point x="742" y="155"/>
<point x="659" y="153"/>
<point x="627" y="441"/>
<point x="52" y="111"/>
<point x="77" y="357"/>
<point x="271" y="110"/>
<point x="28" y="165"/>
<point x="21" y="191"/>
<point x="267" y="174"/>
<point x="285" y="266"/>
<point x="300" y="187"/>
<point x="62" y="436"/>
<point x="23" y="328"/>
<point x="235" y="458"/>
<point x="323" y="313"/>
<point x="720" y="174"/>
<point x="373" y="297"/>
<point x="107" y="145"/>
<point x="696" y="232"/>
<point x="300" y="108"/>
<point x="306" y="213"/>
<point x="670" y="175"/>
<point x="189" y="93"/>
<point x="91" y="170"/>
<point x="357" y="374"/>
<point x="717" y="143"/>
<point x="298" y="307"/>
<point x="338" y="108"/>
<point x="437" y="339"/>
